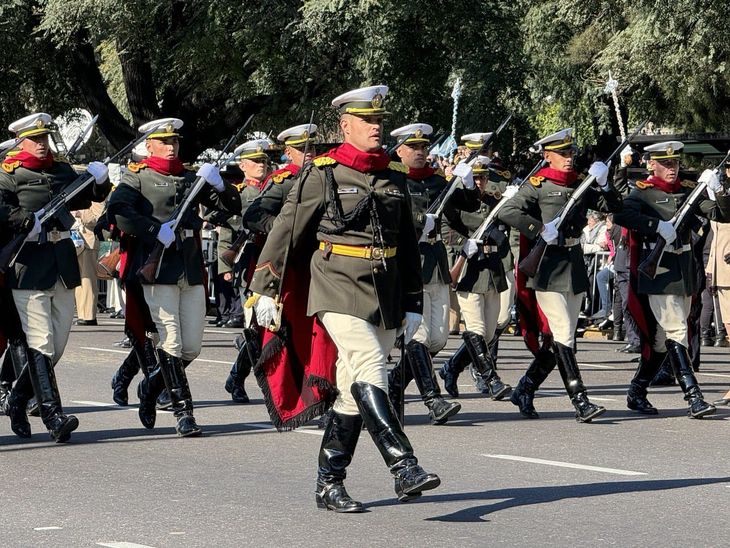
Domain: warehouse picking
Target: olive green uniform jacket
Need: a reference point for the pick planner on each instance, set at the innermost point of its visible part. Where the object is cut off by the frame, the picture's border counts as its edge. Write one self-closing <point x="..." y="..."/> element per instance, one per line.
<point x="336" y="204"/>
<point x="22" y="192"/>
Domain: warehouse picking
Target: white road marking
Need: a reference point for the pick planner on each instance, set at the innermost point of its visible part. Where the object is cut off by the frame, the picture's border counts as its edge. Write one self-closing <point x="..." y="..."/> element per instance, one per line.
<point x="714" y="375"/>
<point x="127" y="352"/>
<point x="52" y="528"/>
<point x="115" y="544"/>
<point x="596" y="366"/>
<point x="231" y="332"/>
<point x="568" y="465"/>
<point x="593" y="398"/>
<point x="95" y="403"/>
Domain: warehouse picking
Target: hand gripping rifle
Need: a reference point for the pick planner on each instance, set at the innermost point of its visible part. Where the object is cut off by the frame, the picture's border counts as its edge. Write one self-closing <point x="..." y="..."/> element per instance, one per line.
<point x="10" y="252"/>
<point x="648" y="266"/>
<point x="530" y="264"/>
<point x="438" y="205"/>
<point x="151" y="268"/>
<point x="458" y="270"/>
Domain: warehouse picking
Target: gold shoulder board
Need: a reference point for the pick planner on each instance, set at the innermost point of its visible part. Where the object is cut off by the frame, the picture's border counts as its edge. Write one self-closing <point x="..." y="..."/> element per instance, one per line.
<point x="641" y="185"/>
<point x="9" y="167"/>
<point x="279" y="177"/>
<point x="134" y="167"/>
<point x="688" y="184"/>
<point x="398" y="166"/>
<point x="537" y="181"/>
<point x="322" y="161"/>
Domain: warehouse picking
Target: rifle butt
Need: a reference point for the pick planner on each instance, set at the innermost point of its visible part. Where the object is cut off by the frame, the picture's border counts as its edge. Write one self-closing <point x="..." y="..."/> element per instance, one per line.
<point x="229" y="255"/>
<point x="649" y="265"/>
<point x="8" y="253"/>
<point x="457" y="269"/>
<point x="148" y="272"/>
<point x="530" y="264"/>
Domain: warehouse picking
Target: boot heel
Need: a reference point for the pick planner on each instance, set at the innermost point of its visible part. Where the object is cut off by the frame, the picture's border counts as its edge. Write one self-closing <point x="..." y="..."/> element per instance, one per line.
<point x="320" y="503"/>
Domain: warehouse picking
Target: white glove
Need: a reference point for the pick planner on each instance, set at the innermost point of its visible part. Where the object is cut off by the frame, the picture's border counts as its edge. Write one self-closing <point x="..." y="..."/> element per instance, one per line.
<point x="510" y="192"/>
<point x="412" y="322"/>
<point x="36" y="227"/>
<point x="626" y="151"/>
<point x="265" y="308"/>
<point x="710" y="177"/>
<point x="430" y="223"/>
<point x="212" y="176"/>
<point x="665" y="229"/>
<point x="99" y="171"/>
<point x="549" y="232"/>
<point x="166" y="235"/>
<point x="464" y="171"/>
<point x="599" y="170"/>
<point x="470" y="248"/>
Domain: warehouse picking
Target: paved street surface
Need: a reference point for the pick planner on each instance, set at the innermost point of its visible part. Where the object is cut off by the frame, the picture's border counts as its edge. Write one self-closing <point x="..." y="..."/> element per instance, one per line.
<point x="625" y="480"/>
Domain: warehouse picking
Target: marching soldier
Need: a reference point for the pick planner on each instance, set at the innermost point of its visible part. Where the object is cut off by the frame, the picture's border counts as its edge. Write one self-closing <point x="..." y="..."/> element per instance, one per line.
<point x="141" y="208"/>
<point x="665" y="300"/>
<point x="254" y="163"/>
<point x="484" y="281"/>
<point x="561" y="279"/>
<point x="45" y="271"/>
<point x="365" y="279"/>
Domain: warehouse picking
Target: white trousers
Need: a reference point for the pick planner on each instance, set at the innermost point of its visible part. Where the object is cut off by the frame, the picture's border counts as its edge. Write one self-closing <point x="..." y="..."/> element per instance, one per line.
<point x="362" y="352"/>
<point x="670" y="312"/>
<point x="506" y="300"/>
<point x="179" y="314"/>
<point x="479" y="312"/>
<point x="561" y="311"/>
<point x="46" y="317"/>
<point x="434" y="329"/>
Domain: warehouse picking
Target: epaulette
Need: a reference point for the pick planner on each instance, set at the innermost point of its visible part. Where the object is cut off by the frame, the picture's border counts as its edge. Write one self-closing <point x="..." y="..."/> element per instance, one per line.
<point x="688" y="184"/>
<point x="10" y="167"/>
<point x="398" y="166"/>
<point x="536" y="180"/>
<point x="322" y="161"/>
<point x="135" y="167"/>
<point x="642" y="185"/>
<point x="60" y="159"/>
<point x="279" y="177"/>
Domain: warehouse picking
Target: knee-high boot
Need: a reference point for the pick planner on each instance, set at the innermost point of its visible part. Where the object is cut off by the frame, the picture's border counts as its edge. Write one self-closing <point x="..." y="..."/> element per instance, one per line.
<point x="524" y="393"/>
<point x="124" y="375"/>
<point x="398" y="380"/>
<point x="682" y="366"/>
<point x="636" y="397"/>
<point x="335" y="454"/>
<point x="453" y="367"/>
<point x="249" y="350"/>
<point x="482" y="361"/>
<point x="173" y="371"/>
<point x="494" y="345"/>
<point x="439" y="410"/>
<point x="15" y="360"/>
<point x="383" y="426"/>
<point x="585" y="411"/>
<point x="150" y="387"/>
<point x="17" y="400"/>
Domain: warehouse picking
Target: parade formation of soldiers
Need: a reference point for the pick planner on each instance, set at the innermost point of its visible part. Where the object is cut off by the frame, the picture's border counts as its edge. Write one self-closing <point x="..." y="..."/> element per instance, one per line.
<point x="333" y="260"/>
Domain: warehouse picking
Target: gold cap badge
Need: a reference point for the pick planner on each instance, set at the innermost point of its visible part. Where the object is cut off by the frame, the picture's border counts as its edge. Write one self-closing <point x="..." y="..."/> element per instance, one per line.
<point x="377" y="100"/>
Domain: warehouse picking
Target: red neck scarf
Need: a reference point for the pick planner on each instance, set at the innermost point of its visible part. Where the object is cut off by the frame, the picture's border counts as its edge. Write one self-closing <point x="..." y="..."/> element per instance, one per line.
<point x="663" y="185"/>
<point x="28" y="161"/>
<point x="364" y="162"/>
<point x="293" y="168"/>
<point x="163" y="166"/>
<point x="562" y="178"/>
<point x="420" y="173"/>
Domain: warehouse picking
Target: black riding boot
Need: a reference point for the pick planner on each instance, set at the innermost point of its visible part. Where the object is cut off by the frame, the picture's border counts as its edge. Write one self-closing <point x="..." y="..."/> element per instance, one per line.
<point x="382" y="424"/>
<point x="585" y="411"/>
<point x="17" y="401"/>
<point x="43" y="378"/>
<point x="13" y="363"/>
<point x="523" y="395"/>
<point x="397" y="384"/>
<point x="150" y="387"/>
<point x="123" y="378"/>
<point x="439" y="410"/>
<point x="249" y="350"/>
<point x="173" y="371"/>
<point x="482" y="361"/>
<point x="647" y="370"/>
<point x="335" y="454"/>
<point x="682" y="366"/>
<point x="494" y="345"/>
<point x="453" y="367"/>
<point x="665" y="375"/>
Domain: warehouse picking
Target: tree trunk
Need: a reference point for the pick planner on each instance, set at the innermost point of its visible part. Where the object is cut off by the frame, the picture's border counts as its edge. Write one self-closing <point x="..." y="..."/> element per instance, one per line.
<point x="138" y="84"/>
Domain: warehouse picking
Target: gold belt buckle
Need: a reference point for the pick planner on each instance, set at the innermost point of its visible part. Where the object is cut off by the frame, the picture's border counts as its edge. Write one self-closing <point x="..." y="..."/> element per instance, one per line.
<point x="377" y="253"/>
<point x="54" y="236"/>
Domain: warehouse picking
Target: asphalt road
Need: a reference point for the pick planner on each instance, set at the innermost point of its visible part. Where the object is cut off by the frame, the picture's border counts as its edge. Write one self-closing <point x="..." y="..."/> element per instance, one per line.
<point x="624" y="480"/>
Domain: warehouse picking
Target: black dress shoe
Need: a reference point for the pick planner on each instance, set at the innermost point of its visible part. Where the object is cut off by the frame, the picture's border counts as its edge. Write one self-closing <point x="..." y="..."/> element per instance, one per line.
<point x="707" y="341"/>
<point x="214" y="321"/>
<point x="721" y="342"/>
<point x="236" y="323"/>
<point x="124" y="343"/>
<point x="630" y="349"/>
<point x="86" y="322"/>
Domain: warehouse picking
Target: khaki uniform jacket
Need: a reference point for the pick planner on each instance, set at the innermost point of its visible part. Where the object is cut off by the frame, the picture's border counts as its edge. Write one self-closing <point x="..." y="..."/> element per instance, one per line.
<point x="23" y="191"/>
<point x="260" y="216"/>
<point x="232" y="225"/>
<point x="378" y="291"/>
<point x="423" y="193"/>
<point x="537" y="202"/>
<point x="145" y="199"/>
<point x="643" y="208"/>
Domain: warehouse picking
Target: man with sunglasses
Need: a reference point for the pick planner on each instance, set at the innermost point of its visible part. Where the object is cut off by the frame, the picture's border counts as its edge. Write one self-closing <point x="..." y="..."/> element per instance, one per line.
<point x="664" y="302"/>
<point x="561" y="279"/>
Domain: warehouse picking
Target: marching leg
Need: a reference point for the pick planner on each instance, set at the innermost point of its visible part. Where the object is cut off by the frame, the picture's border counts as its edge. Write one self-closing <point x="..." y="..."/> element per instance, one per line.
<point x="453" y="367"/>
<point x="422" y="369"/>
<point x="173" y="372"/>
<point x="682" y="366"/>
<point x="524" y="393"/>
<point x="249" y="350"/>
<point x="480" y="357"/>
<point x="585" y="411"/>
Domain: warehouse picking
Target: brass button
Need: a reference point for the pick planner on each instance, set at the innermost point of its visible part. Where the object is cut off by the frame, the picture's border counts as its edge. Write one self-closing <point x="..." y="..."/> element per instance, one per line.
<point x="376" y="253"/>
